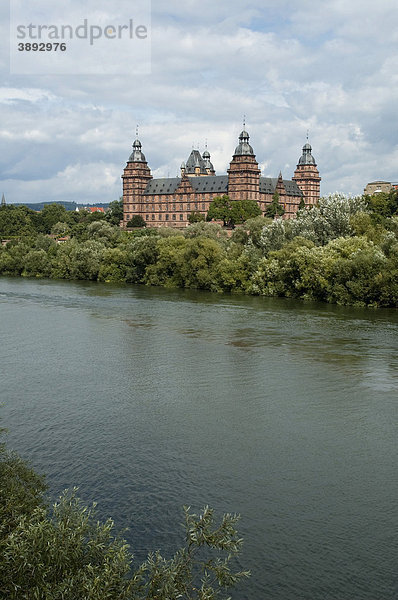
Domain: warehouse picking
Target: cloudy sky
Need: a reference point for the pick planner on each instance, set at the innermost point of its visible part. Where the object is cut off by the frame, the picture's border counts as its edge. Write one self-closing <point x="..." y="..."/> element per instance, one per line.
<point x="330" y="67"/>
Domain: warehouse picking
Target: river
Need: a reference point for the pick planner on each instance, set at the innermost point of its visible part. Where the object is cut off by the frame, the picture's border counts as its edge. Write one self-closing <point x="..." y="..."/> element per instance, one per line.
<point x="282" y="411"/>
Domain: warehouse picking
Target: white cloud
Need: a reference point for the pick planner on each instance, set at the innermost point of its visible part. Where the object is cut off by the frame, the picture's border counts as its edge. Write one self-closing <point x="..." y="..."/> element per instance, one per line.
<point x="329" y="67"/>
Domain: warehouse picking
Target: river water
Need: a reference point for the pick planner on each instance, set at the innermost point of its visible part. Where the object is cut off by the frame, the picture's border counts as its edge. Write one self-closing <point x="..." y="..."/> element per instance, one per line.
<point x="285" y="412"/>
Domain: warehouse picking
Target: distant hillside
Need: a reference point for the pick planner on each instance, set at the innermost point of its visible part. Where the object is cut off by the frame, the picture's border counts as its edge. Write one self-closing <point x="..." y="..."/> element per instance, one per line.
<point x="68" y="205"/>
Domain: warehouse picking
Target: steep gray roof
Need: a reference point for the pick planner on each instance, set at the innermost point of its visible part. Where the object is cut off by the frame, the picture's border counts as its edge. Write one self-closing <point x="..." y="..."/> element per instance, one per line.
<point x="167" y="185"/>
<point x="195" y="160"/>
<point x="216" y="184"/>
<point x="268" y="186"/>
<point x="212" y="183"/>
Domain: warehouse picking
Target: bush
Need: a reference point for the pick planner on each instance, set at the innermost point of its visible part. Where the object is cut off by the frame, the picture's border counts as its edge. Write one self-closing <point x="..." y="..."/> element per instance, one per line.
<point x="65" y="552"/>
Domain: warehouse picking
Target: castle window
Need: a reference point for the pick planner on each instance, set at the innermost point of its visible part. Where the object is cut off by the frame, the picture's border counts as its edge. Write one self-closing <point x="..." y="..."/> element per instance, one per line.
<point x="203" y="206"/>
<point x="188" y="206"/>
<point x="153" y="217"/>
<point x="181" y="217"/>
<point x="196" y="206"/>
<point x="160" y="217"/>
<point x="147" y="217"/>
<point x="167" y="217"/>
<point x="174" y="217"/>
<point x="181" y="207"/>
<point x="174" y="206"/>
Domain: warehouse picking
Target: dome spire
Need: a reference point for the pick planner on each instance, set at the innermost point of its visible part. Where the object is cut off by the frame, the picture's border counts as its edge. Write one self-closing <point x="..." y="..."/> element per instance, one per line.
<point x="306" y="158"/>
<point x="137" y="155"/>
<point x="244" y="148"/>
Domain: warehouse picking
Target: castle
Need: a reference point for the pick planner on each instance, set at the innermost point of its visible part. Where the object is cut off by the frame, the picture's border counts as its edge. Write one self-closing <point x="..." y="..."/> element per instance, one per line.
<point x="168" y="202"/>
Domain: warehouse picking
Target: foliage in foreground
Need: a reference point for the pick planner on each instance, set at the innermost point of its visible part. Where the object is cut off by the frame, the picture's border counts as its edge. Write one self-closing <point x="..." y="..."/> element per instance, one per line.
<point x="345" y="251"/>
<point x="64" y="553"/>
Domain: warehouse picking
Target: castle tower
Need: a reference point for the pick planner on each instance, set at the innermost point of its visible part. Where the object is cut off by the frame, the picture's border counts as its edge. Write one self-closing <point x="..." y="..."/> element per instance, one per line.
<point x="135" y="179"/>
<point x="243" y="172"/>
<point x="307" y="177"/>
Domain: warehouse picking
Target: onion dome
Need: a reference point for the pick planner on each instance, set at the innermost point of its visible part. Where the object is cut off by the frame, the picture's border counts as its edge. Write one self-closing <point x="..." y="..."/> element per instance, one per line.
<point x="208" y="163"/>
<point x="244" y="148"/>
<point x="306" y="158"/>
<point x="137" y="155"/>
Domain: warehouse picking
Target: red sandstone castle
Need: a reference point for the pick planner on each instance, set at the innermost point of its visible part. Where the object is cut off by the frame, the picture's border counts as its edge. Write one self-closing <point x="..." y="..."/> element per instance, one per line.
<point x="169" y="201"/>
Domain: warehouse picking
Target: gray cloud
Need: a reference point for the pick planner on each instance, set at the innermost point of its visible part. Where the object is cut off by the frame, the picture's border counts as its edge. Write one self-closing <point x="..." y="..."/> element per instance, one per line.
<point x="329" y="67"/>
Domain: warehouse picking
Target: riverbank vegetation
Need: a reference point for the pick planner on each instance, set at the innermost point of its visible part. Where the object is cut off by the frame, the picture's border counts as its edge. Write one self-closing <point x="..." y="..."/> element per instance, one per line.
<point x="344" y="251"/>
<point x="63" y="551"/>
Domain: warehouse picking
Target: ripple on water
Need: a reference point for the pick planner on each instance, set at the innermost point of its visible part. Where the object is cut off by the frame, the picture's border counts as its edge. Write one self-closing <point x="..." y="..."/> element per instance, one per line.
<point x="284" y="412"/>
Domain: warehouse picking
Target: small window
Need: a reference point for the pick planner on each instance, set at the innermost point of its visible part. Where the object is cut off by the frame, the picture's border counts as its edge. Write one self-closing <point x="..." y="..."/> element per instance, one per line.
<point x="174" y="217"/>
<point x="147" y="217"/>
<point x="181" y="217"/>
<point x="153" y="217"/>
<point x="167" y="217"/>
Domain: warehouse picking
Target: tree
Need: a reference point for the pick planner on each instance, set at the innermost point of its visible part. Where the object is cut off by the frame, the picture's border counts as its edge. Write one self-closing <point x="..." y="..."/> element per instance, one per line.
<point x="231" y="213"/>
<point x="136" y="221"/>
<point x="16" y="220"/>
<point x="65" y="552"/>
<point x="302" y="204"/>
<point x="220" y="209"/>
<point x="50" y="215"/>
<point x="241" y="210"/>
<point x="114" y="214"/>
<point x="382" y="205"/>
<point x="275" y="209"/>
<point x="60" y="229"/>
<point x="196" y="217"/>
<point x="329" y="219"/>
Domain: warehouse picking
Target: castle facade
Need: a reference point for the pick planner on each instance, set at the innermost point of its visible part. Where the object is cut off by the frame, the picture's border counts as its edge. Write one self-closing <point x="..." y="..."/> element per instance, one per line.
<point x="168" y="202"/>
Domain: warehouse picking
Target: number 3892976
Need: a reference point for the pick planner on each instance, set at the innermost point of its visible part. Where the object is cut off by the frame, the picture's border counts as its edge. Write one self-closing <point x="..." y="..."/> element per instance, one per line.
<point x="41" y="47"/>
